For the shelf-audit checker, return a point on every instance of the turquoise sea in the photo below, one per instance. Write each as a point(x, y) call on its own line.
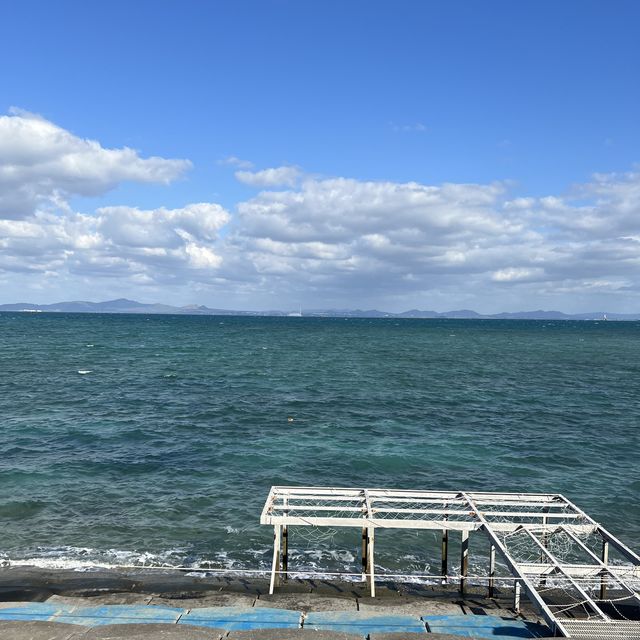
point(128, 439)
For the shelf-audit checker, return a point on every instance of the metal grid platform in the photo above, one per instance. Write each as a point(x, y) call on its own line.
point(618, 630)
point(554, 550)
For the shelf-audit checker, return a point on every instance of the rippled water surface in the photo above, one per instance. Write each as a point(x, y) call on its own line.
point(129, 437)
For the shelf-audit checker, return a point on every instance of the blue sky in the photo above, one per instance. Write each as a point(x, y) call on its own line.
point(516, 105)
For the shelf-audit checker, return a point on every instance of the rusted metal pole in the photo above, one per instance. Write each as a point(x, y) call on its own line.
point(445, 555)
point(285, 551)
point(365, 548)
point(285, 542)
point(464, 559)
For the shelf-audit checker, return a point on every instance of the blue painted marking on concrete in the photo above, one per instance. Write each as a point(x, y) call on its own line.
point(248, 618)
point(119, 614)
point(485, 627)
point(242, 618)
point(362, 622)
point(36, 611)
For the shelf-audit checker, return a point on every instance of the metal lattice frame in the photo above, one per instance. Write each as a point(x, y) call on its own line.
point(544, 539)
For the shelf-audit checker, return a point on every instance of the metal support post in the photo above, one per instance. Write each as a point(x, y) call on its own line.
point(492, 570)
point(365, 546)
point(516, 596)
point(545, 543)
point(285, 551)
point(445, 554)
point(275, 567)
point(603, 579)
point(285, 541)
point(372, 579)
point(464, 559)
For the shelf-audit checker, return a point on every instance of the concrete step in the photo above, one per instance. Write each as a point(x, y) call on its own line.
point(375, 620)
point(58, 631)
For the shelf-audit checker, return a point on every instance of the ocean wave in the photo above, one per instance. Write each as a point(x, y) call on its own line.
point(21, 509)
point(306, 565)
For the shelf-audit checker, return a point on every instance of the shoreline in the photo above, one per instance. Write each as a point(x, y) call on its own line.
point(32, 582)
point(166, 588)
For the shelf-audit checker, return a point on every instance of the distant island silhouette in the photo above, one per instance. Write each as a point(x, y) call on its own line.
point(123, 305)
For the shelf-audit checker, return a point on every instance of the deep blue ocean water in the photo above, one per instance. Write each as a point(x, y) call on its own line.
point(164, 449)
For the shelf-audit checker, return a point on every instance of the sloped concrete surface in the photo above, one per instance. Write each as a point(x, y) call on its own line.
point(142, 595)
point(152, 632)
point(119, 614)
point(217, 599)
point(408, 606)
point(242, 618)
point(101, 600)
point(40, 631)
point(363, 623)
point(403, 636)
point(291, 634)
point(306, 602)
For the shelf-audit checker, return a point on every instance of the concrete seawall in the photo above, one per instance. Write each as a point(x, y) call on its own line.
point(110, 604)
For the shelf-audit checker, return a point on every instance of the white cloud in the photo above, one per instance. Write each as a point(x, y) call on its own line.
point(340, 239)
point(348, 238)
point(160, 245)
point(274, 177)
point(234, 161)
point(202, 257)
point(320, 241)
point(517, 274)
point(416, 127)
point(340, 210)
point(131, 227)
point(385, 237)
point(41, 164)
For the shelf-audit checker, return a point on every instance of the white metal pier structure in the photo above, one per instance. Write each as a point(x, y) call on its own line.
point(583, 580)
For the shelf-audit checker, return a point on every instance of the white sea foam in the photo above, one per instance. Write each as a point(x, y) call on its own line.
point(305, 564)
point(84, 372)
point(86, 558)
point(343, 556)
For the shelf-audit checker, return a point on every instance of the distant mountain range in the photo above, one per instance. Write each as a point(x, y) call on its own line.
point(122, 305)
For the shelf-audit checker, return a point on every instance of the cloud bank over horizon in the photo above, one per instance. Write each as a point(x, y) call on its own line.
point(307, 239)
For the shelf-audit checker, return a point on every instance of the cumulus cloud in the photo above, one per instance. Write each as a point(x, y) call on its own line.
point(354, 238)
point(384, 234)
point(274, 177)
point(512, 274)
point(42, 163)
point(320, 241)
point(154, 246)
point(234, 161)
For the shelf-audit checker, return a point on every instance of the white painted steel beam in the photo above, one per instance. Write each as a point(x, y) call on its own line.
point(275, 566)
point(605, 570)
point(495, 514)
point(529, 587)
point(609, 537)
point(379, 523)
point(588, 599)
